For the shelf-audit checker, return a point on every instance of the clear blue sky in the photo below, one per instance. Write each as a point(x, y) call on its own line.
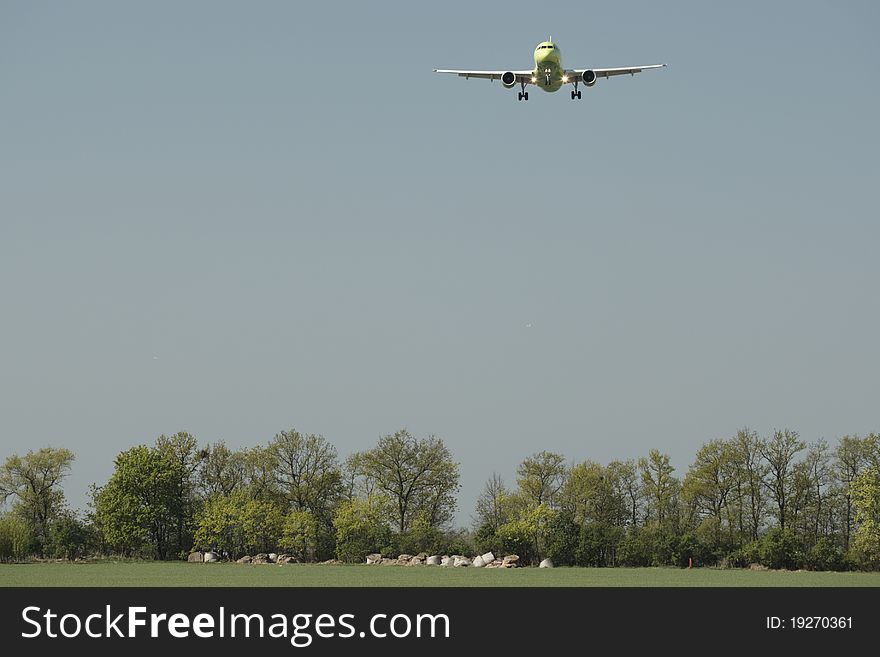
point(236, 218)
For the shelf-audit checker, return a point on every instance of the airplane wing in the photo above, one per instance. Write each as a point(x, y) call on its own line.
point(608, 72)
point(521, 76)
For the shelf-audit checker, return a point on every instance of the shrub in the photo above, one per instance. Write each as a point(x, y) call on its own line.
point(744, 556)
point(16, 539)
point(824, 555)
point(70, 537)
point(780, 549)
point(562, 539)
point(362, 528)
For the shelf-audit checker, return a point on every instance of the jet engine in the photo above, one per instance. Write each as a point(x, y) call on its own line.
point(589, 78)
point(508, 79)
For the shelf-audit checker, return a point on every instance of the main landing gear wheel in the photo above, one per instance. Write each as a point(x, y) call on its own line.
point(523, 95)
point(575, 94)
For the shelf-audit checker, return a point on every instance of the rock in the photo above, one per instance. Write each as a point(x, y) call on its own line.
point(272, 557)
point(478, 562)
point(415, 561)
point(388, 562)
point(404, 558)
point(511, 558)
point(374, 558)
point(546, 563)
point(244, 559)
point(196, 557)
point(286, 559)
point(461, 562)
point(211, 557)
point(432, 561)
point(446, 561)
point(488, 557)
point(422, 555)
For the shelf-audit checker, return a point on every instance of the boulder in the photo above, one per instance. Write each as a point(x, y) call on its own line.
point(196, 557)
point(211, 557)
point(404, 558)
point(446, 561)
point(546, 563)
point(272, 557)
point(260, 558)
point(374, 558)
point(478, 562)
point(388, 562)
point(488, 557)
point(244, 559)
point(415, 561)
point(433, 560)
point(461, 562)
point(422, 555)
point(511, 558)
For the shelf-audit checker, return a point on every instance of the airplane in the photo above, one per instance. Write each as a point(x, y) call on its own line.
point(549, 74)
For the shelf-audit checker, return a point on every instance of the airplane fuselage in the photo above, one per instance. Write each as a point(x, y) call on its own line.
point(548, 74)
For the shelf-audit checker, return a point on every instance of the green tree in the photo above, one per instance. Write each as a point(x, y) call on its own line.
point(526, 535)
point(865, 491)
point(598, 544)
point(260, 483)
point(138, 508)
point(824, 555)
point(307, 473)
point(491, 509)
point(237, 524)
point(220, 525)
point(562, 539)
point(780, 549)
point(263, 524)
point(362, 527)
point(852, 455)
point(710, 482)
point(750, 476)
point(71, 537)
point(221, 471)
point(780, 453)
point(298, 537)
point(540, 477)
point(659, 485)
point(593, 494)
point(181, 450)
point(16, 539)
point(418, 476)
point(34, 482)
point(625, 479)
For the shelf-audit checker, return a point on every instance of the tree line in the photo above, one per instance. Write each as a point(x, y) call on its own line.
point(773, 500)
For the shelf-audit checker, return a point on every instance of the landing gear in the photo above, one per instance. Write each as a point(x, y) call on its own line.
point(523, 95)
point(575, 93)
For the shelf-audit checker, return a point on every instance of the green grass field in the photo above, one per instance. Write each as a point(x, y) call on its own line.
point(194, 574)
